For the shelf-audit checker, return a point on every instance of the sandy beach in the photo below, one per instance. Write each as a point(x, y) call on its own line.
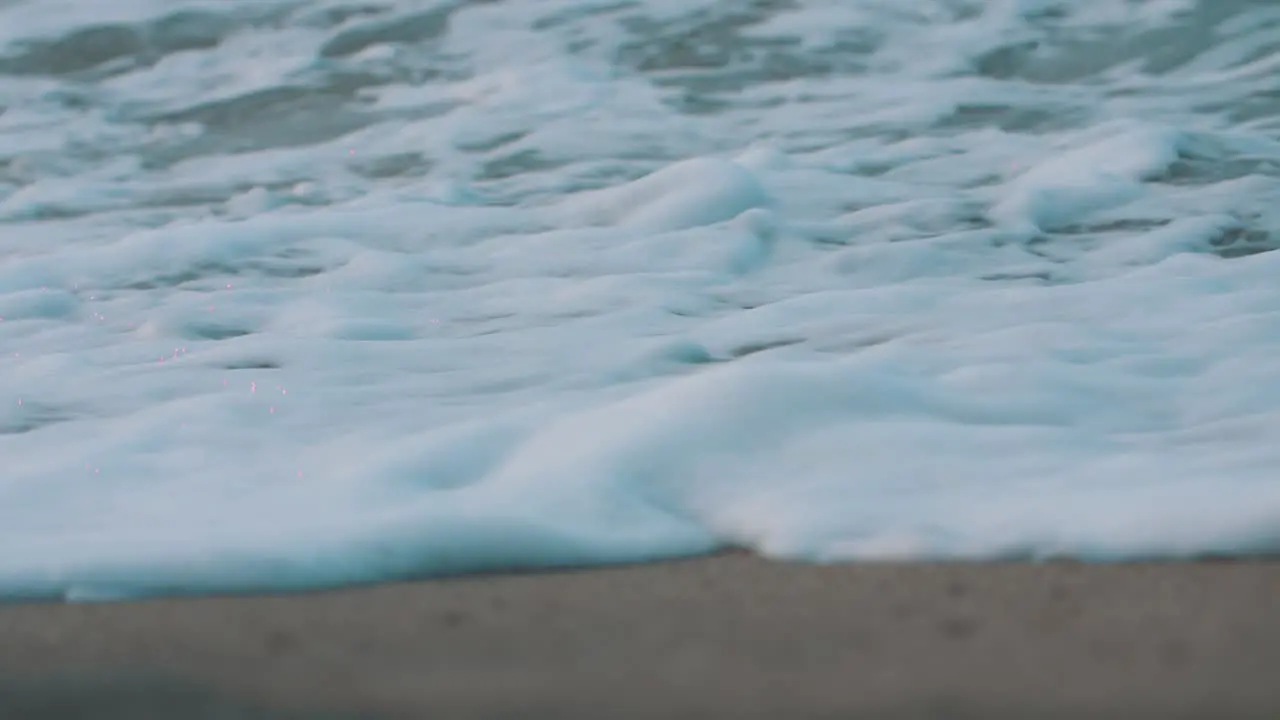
point(312, 293)
point(729, 636)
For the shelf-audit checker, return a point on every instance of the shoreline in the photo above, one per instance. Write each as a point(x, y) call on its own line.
point(729, 635)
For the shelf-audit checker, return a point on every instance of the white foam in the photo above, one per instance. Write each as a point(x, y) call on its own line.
point(688, 194)
point(1071, 185)
point(552, 286)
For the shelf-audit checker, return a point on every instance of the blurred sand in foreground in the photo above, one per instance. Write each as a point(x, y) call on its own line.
point(730, 636)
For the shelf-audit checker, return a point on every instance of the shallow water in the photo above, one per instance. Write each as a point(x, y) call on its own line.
point(296, 293)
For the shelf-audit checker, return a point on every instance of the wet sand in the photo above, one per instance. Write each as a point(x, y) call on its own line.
point(731, 636)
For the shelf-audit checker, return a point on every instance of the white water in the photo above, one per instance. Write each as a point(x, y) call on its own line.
point(308, 292)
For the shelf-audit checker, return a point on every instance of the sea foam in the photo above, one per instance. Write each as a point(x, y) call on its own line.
point(303, 296)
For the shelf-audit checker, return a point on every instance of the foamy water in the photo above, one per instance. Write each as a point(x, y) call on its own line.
point(308, 292)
